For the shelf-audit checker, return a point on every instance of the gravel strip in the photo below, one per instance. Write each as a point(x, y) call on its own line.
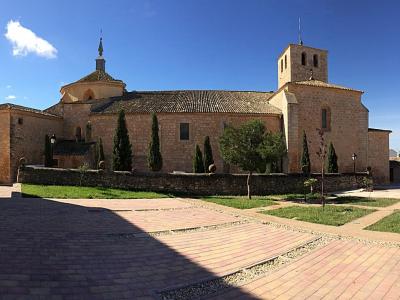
point(176, 231)
point(206, 288)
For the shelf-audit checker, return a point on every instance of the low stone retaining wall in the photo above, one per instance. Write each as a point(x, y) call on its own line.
point(193, 184)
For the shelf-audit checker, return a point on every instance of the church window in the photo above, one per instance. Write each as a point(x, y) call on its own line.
point(325, 119)
point(285, 62)
point(303, 58)
point(184, 131)
point(20, 121)
point(78, 134)
point(315, 60)
point(281, 65)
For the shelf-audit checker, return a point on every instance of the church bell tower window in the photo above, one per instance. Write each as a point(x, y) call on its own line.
point(315, 60)
point(303, 58)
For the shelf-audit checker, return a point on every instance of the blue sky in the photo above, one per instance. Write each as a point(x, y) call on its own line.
point(202, 44)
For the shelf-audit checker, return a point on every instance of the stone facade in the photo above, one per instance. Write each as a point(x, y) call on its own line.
point(378, 152)
point(192, 184)
point(304, 101)
point(23, 135)
point(177, 154)
point(5, 146)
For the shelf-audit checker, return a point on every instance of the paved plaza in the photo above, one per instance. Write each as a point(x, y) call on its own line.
point(147, 249)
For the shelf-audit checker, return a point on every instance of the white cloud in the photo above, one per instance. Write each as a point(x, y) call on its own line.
point(25, 41)
point(11, 97)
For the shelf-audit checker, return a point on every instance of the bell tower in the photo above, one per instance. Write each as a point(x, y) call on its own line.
point(299, 63)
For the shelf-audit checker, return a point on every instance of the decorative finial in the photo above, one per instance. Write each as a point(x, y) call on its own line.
point(300, 39)
point(311, 74)
point(101, 47)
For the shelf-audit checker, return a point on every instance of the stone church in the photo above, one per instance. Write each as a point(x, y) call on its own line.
point(304, 101)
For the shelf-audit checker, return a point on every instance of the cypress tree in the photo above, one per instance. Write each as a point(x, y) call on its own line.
point(154, 158)
point(99, 152)
point(305, 157)
point(198, 165)
point(208, 155)
point(332, 160)
point(122, 151)
point(48, 157)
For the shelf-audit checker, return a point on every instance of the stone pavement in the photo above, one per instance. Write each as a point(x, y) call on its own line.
point(134, 249)
point(339, 270)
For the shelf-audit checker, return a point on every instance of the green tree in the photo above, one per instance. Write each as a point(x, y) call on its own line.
point(208, 155)
point(332, 160)
point(48, 155)
point(305, 157)
point(250, 148)
point(122, 151)
point(99, 152)
point(154, 158)
point(198, 165)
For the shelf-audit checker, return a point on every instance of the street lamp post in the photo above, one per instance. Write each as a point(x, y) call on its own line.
point(354, 158)
point(53, 141)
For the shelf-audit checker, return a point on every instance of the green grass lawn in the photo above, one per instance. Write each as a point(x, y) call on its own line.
point(332, 215)
point(294, 197)
point(377, 202)
point(240, 202)
point(390, 223)
point(78, 192)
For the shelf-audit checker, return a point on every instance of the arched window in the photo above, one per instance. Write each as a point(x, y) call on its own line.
point(326, 118)
point(281, 65)
point(285, 62)
point(88, 95)
point(78, 134)
point(315, 60)
point(303, 58)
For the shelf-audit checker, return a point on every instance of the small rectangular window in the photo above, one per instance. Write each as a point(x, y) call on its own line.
point(324, 119)
point(285, 62)
point(184, 131)
point(281, 65)
point(20, 121)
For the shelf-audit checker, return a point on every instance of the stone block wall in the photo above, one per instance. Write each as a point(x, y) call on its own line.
point(348, 129)
point(177, 154)
point(192, 184)
point(27, 134)
point(5, 146)
point(378, 155)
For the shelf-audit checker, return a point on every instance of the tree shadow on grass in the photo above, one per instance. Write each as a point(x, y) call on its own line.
point(53, 249)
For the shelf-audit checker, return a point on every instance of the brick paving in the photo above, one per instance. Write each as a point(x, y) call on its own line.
point(339, 270)
point(67, 251)
point(96, 249)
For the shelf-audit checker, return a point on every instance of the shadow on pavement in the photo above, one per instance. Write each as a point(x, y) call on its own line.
point(52, 249)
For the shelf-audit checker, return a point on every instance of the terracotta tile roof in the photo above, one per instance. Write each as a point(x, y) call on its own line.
point(98, 75)
point(324, 84)
point(26, 109)
point(187, 101)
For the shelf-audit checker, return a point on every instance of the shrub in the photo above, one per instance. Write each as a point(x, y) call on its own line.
point(198, 165)
point(305, 157)
point(122, 151)
point(208, 155)
point(332, 160)
point(154, 158)
point(48, 157)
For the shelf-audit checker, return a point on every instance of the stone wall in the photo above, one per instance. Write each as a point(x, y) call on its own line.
point(348, 129)
point(177, 154)
point(378, 154)
point(193, 184)
point(27, 134)
point(4, 146)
